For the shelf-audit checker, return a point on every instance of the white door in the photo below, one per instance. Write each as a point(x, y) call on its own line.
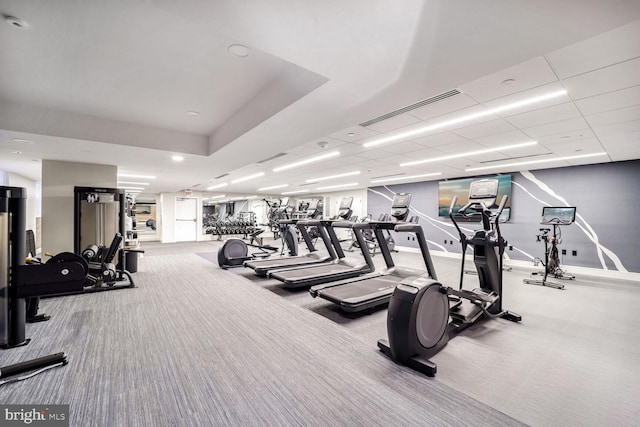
point(186, 224)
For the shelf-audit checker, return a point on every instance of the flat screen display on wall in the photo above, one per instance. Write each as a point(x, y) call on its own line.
point(460, 188)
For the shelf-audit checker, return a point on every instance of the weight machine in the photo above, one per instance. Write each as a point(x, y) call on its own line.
point(19, 282)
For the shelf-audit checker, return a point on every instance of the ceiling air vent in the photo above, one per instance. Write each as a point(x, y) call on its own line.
point(427, 101)
point(515, 158)
point(221, 176)
point(272, 157)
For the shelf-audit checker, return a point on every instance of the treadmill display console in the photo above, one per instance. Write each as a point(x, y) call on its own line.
point(400, 206)
point(346, 203)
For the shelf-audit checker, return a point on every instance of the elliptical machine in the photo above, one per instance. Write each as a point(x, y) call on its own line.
point(424, 314)
point(555, 216)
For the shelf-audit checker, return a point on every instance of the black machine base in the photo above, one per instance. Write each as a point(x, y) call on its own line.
point(20, 344)
point(542, 282)
point(417, 363)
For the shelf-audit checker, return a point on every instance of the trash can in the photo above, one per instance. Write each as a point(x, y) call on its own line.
point(131, 260)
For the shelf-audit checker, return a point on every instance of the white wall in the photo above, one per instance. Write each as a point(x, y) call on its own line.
point(58, 180)
point(166, 216)
point(14, 180)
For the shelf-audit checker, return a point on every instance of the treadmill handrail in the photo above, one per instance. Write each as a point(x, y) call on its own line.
point(343, 224)
point(422, 242)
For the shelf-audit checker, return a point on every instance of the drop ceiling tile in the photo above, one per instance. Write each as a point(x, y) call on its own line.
point(514, 100)
point(543, 116)
point(527, 75)
point(621, 142)
point(402, 147)
point(395, 122)
point(486, 158)
point(485, 129)
point(304, 150)
point(428, 153)
point(617, 128)
point(439, 108)
point(373, 153)
point(507, 138)
point(596, 52)
point(609, 101)
point(620, 157)
point(439, 139)
point(577, 147)
point(359, 133)
point(561, 138)
point(460, 147)
point(603, 80)
point(557, 127)
point(614, 116)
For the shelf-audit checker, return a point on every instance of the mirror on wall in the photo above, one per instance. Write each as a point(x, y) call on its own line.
point(144, 216)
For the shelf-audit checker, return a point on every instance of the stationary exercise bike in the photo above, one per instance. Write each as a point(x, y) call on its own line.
point(424, 314)
point(555, 216)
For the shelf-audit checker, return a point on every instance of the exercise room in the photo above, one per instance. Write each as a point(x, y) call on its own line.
point(372, 213)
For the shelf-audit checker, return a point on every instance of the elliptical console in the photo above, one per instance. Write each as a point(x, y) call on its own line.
point(424, 314)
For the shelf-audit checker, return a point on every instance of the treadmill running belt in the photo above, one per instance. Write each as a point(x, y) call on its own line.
point(359, 292)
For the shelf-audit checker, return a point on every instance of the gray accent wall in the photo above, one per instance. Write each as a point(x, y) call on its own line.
point(604, 236)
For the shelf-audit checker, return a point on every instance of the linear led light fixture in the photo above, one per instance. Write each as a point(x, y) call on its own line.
point(531, 162)
point(128, 175)
point(133, 188)
point(351, 184)
point(468, 117)
point(307, 161)
point(294, 192)
point(213, 187)
point(471, 153)
point(273, 187)
point(324, 178)
point(132, 183)
point(218, 197)
point(247, 178)
point(398, 178)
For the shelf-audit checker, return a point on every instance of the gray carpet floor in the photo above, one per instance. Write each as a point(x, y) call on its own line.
point(197, 345)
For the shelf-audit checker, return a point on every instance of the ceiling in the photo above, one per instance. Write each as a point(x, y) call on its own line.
point(115, 82)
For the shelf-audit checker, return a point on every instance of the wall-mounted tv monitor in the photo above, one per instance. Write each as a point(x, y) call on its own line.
point(346, 203)
point(558, 215)
point(460, 188)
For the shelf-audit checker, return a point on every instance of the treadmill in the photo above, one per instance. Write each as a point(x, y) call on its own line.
point(371, 290)
point(339, 269)
point(262, 266)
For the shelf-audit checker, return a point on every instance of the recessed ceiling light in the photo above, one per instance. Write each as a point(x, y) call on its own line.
point(398, 178)
point(294, 192)
point(177, 158)
point(128, 175)
point(16, 152)
point(193, 113)
point(351, 184)
point(351, 134)
point(239, 50)
point(218, 197)
point(247, 178)
point(16, 22)
point(324, 178)
point(133, 188)
point(508, 82)
point(213, 187)
point(273, 187)
point(468, 117)
point(531, 162)
point(565, 137)
point(470, 153)
point(23, 141)
point(307, 161)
